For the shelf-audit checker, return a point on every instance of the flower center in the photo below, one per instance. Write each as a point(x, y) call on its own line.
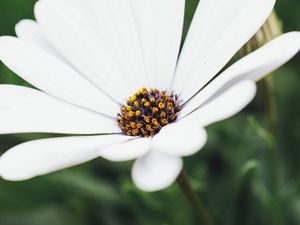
point(147, 111)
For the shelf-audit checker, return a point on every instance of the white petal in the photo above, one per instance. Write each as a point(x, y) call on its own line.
point(160, 24)
point(156, 171)
point(119, 30)
point(71, 33)
point(128, 150)
point(115, 24)
point(29, 30)
point(53, 76)
point(265, 59)
point(219, 29)
point(253, 67)
point(180, 138)
point(43, 156)
point(225, 105)
point(28, 110)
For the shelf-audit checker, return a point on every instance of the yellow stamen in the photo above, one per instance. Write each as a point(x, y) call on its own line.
point(131, 113)
point(161, 105)
point(132, 98)
point(147, 111)
point(138, 113)
point(154, 121)
point(154, 110)
point(164, 121)
point(146, 119)
point(163, 114)
point(136, 131)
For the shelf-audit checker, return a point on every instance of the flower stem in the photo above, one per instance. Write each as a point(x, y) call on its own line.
point(194, 199)
point(271, 29)
point(268, 31)
point(270, 112)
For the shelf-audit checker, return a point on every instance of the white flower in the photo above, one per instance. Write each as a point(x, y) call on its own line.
point(87, 57)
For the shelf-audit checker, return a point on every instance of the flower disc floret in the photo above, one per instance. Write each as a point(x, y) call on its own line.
point(147, 111)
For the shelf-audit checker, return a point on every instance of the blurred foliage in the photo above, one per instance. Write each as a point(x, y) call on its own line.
point(231, 173)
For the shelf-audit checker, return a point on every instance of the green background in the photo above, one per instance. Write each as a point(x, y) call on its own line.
point(231, 173)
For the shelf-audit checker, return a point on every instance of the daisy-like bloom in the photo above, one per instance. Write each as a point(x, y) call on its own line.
point(111, 72)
